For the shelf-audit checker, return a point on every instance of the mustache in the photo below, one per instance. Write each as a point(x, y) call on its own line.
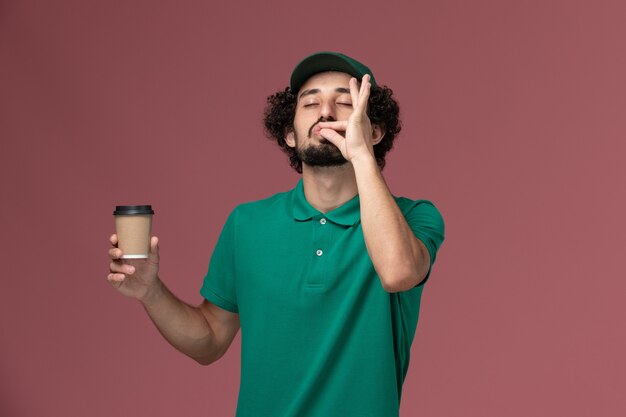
point(321, 119)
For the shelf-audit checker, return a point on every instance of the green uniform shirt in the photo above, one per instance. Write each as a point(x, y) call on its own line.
point(320, 337)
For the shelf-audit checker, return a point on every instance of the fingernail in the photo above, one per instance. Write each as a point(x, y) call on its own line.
point(131, 270)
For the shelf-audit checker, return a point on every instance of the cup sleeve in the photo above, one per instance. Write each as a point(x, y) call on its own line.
point(219, 286)
point(428, 226)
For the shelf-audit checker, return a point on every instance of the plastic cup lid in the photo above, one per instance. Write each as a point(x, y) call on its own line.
point(130, 210)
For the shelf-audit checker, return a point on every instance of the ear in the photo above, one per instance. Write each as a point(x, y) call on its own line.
point(290, 139)
point(378, 134)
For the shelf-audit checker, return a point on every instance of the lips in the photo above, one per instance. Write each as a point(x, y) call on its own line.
point(314, 130)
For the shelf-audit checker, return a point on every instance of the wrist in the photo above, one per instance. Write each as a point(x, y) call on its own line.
point(364, 161)
point(152, 293)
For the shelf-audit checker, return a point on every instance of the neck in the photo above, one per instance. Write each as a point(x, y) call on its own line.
point(327, 188)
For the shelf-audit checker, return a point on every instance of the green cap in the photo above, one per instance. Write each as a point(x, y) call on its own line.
point(327, 61)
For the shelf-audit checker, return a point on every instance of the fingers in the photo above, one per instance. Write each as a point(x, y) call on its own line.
point(154, 245)
point(364, 94)
point(332, 136)
point(154, 250)
point(119, 270)
point(115, 253)
point(341, 125)
point(354, 92)
point(118, 267)
point(116, 279)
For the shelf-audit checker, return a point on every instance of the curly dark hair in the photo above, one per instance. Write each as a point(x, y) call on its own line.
point(382, 110)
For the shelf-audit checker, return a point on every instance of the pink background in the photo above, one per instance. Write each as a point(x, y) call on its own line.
point(514, 125)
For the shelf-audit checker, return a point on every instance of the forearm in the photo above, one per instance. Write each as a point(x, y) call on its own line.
point(182, 325)
point(390, 241)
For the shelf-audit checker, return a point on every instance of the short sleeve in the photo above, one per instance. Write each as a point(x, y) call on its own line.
point(219, 283)
point(428, 226)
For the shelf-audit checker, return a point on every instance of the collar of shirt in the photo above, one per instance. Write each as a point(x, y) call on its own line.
point(348, 214)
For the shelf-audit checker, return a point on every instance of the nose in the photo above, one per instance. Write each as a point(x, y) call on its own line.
point(328, 111)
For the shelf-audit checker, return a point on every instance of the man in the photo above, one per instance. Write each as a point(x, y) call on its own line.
point(325, 280)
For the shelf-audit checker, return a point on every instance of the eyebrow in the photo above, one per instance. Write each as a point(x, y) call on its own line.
point(342, 90)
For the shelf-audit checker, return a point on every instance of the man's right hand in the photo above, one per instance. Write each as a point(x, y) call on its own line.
point(136, 278)
point(203, 333)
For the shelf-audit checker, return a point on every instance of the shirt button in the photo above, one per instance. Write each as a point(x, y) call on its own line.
point(319, 252)
point(323, 221)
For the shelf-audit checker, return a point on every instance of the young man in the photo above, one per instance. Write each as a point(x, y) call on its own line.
point(325, 280)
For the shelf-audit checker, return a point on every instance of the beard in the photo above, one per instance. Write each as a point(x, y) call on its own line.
point(323, 155)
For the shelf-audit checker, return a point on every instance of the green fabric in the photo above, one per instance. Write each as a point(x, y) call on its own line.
point(319, 335)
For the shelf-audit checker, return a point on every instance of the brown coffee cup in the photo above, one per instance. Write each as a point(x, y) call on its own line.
point(133, 225)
